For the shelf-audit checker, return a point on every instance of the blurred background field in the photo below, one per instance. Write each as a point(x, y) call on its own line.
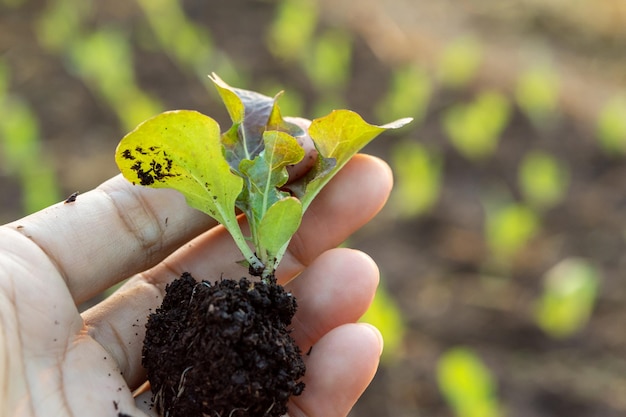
point(502, 248)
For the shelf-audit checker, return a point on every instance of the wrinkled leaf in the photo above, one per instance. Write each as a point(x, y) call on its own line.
point(337, 137)
point(249, 112)
point(280, 222)
point(182, 150)
point(252, 114)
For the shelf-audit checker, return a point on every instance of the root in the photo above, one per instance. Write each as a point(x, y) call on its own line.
point(181, 384)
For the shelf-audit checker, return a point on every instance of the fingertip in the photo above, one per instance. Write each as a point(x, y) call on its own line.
point(377, 172)
point(383, 166)
point(377, 335)
point(369, 265)
point(365, 275)
point(340, 367)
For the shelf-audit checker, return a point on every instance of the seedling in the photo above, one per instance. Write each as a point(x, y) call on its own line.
point(270, 168)
point(246, 166)
point(467, 384)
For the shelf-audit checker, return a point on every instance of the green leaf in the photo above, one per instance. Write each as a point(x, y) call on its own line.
point(277, 122)
point(232, 101)
point(250, 112)
point(337, 137)
point(182, 150)
point(267, 173)
point(279, 224)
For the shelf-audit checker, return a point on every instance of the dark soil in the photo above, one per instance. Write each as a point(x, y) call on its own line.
point(223, 349)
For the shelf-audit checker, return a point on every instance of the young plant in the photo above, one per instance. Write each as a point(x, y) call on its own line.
point(246, 166)
point(224, 348)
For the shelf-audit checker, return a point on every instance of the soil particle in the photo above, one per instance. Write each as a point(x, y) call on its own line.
point(223, 348)
point(71, 198)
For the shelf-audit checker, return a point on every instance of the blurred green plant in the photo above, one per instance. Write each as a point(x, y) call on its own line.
point(409, 93)
point(509, 229)
point(459, 62)
point(22, 155)
point(386, 316)
point(102, 58)
point(543, 179)
point(475, 128)
point(325, 103)
point(467, 384)
point(187, 44)
point(104, 61)
point(537, 94)
point(611, 126)
point(417, 179)
point(325, 57)
point(290, 34)
point(61, 23)
point(4, 79)
point(569, 294)
point(14, 4)
point(291, 102)
point(328, 63)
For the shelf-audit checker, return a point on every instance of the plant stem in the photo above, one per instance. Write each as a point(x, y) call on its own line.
point(241, 243)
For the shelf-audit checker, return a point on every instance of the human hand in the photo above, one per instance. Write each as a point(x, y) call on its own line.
point(55, 361)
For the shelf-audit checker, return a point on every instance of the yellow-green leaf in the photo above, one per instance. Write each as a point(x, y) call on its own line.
point(280, 223)
point(337, 137)
point(234, 105)
point(267, 173)
point(182, 150)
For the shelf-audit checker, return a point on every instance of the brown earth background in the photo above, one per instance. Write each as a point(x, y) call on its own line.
point(515, 164)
